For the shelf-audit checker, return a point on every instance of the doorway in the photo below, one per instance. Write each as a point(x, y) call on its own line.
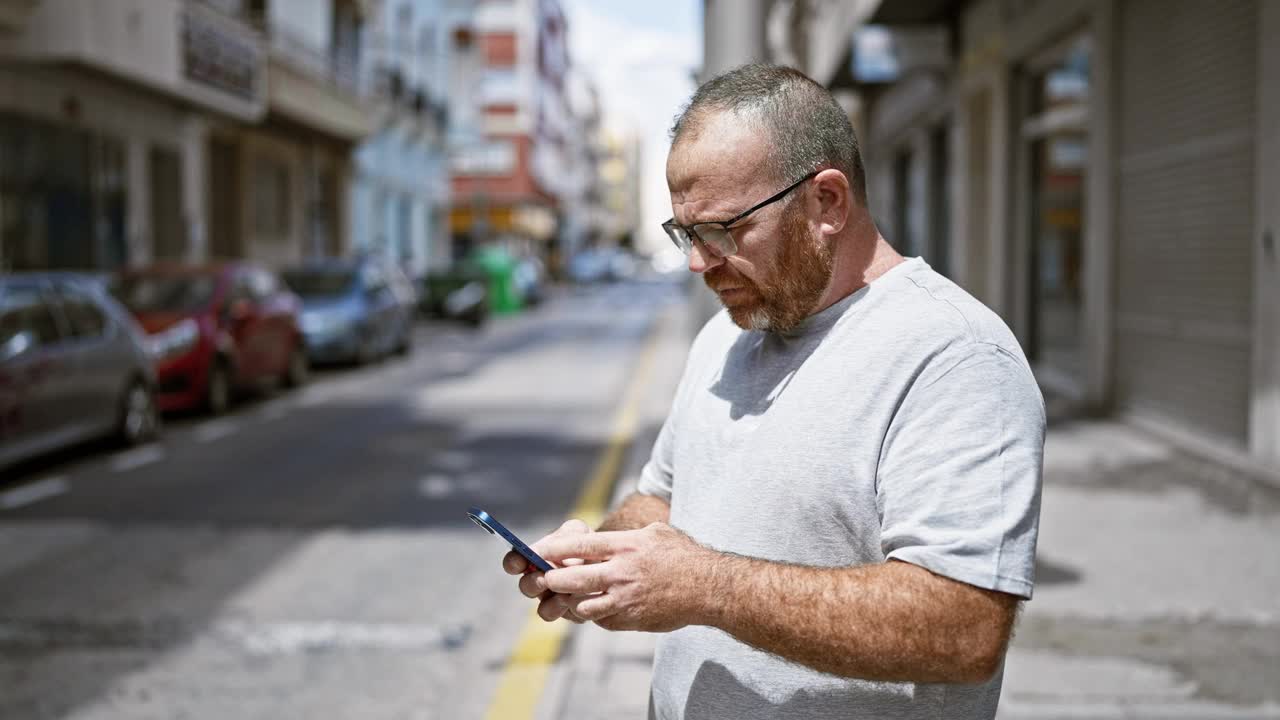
point(1054, 144)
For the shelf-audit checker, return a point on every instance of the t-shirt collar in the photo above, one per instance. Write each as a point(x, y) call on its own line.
point(821, 321)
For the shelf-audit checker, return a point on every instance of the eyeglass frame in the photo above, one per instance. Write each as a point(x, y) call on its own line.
point(725, 224)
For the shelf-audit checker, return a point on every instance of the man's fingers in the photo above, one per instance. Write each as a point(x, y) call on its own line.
point(514, 563)
point(592, 607)
point(553, 607)
point(578, 580)
point(532, 584)
point(588, 546)
point(574, 526)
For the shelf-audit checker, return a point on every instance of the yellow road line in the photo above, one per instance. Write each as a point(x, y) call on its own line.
point(525, 675)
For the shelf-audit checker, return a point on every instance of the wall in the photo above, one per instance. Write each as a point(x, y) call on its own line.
point(309, 21)
point(1264, 439)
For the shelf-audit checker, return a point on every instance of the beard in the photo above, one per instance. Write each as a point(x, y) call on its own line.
point(793, 281)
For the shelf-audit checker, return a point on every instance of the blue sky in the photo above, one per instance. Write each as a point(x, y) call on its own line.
point(641, 54)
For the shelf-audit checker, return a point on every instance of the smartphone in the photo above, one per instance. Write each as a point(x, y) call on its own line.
point(490, 523)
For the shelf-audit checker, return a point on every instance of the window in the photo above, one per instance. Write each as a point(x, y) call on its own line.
point(262, 284)
point(498, 86)
point(1055, 150)
point(241, 288)
point(496, 157)
point(82, 313)
point(25, 313)
point(271, 198)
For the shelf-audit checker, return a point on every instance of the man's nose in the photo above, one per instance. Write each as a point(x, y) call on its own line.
point(701, 259)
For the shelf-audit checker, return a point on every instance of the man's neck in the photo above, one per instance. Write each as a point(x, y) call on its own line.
point(858, 263)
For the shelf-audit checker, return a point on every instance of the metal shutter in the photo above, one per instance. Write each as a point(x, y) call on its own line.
point(1187, 75)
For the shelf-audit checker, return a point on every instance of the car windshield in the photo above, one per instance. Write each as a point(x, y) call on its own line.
point(319, 283)
point(164, 293)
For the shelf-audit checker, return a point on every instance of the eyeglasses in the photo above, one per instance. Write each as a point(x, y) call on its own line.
point(715, 234)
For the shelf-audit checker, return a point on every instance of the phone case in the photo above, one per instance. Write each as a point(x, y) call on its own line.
point(491, 524)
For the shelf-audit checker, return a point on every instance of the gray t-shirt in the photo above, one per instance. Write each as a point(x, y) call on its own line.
point(902, 422)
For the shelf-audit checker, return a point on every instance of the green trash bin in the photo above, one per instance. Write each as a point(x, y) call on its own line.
point(499, 267)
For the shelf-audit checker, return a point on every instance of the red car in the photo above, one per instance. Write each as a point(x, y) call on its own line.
point(215, 329)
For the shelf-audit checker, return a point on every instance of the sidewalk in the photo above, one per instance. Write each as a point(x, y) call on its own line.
point(1157, 596)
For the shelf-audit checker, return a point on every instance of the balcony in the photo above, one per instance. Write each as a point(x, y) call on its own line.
point(185, 49)
point(313, 85)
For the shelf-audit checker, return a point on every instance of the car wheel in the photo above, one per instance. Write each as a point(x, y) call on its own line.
point(406, 340)
point(139, 416)
point(295, 375)
point(218, 393)
point(364, 351)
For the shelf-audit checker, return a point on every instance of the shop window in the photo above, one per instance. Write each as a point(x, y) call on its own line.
point(271, 198)
point(1056, 142)
point(168, 231)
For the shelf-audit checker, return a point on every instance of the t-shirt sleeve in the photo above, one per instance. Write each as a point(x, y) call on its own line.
point(958, 485)
point(657, 476)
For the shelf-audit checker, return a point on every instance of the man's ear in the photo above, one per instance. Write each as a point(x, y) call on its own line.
point(834, 197)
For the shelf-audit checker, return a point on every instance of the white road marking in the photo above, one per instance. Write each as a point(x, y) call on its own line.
point(310, 398)
point(274, 410)
point(33, 492)
point(435, 486)
point(453, 460)
point(288, 638)
point(254, 637)
point(215, 430)
point(136, 458)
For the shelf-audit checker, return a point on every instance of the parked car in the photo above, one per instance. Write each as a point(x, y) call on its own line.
point(588, 266)
point(74, 366)
point(354, 310)
point(459, 293)
point(216, 329)
point(530, 278)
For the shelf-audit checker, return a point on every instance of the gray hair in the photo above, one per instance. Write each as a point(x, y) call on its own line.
point(806, 125)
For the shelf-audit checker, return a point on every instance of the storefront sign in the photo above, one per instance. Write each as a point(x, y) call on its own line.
point(220, 58)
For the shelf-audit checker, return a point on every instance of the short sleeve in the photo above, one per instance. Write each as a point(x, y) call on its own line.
point(958, 485)
point(657, 476)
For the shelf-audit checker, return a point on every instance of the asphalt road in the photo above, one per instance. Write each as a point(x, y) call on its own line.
point(308, 555)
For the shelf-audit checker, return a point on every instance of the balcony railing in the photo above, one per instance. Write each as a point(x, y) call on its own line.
point(339, 67)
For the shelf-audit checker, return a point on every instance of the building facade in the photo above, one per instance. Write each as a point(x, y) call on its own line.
point(134, 131)
point(1105, 175)
point(282, 185)
point(510, 167)
point(400, 193)
point(105, 116)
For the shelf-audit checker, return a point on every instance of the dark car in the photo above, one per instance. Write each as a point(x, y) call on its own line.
point(216, 329)
point(354, 310)
point(459, 292)
point(74, 366)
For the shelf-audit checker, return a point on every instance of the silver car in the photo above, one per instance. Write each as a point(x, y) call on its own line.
point(74, 366)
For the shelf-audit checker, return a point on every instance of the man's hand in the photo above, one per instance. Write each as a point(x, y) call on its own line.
point(650, 579)
point(552, 606)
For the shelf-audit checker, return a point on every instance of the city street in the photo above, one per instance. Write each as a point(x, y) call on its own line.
point(308, 555)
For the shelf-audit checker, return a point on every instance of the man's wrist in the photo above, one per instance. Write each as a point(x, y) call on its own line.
point(713, 581)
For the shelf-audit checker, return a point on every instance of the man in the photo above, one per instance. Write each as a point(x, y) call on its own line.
point(839, 516)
